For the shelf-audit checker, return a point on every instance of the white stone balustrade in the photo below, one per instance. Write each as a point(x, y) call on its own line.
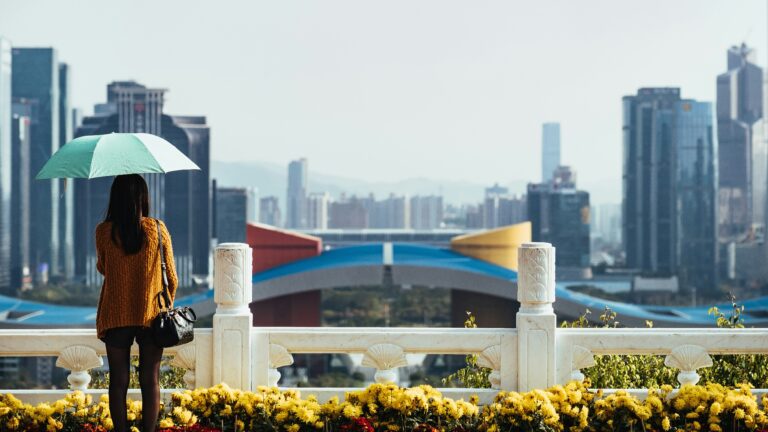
point(386, 358)
point(79, 359)
point(688, 359)
point(536, 354)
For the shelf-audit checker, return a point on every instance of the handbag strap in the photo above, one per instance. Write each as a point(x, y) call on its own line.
point(164, 294)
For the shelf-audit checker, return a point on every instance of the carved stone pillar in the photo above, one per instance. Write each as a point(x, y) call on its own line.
point(536, 320)
point(232, 274)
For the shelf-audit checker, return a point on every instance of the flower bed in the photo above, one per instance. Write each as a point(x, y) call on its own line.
point(572, 407)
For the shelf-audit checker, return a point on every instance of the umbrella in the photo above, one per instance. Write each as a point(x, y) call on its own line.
point(115, 154)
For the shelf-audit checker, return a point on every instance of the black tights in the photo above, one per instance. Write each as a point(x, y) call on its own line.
point(149, 380)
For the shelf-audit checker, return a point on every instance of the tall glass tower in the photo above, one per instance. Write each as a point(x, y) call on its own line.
point(35, 81)
point(550, 150)
point(669, 187)
point(741, 157)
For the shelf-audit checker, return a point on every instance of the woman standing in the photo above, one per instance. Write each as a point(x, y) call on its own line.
point(129, 258)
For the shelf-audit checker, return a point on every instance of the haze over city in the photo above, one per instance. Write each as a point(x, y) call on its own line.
point(396, 90)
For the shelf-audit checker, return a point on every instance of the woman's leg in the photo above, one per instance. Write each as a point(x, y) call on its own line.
point(150, 356)
point(119, 376)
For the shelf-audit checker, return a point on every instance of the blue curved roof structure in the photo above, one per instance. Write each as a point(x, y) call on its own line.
point(405, 263)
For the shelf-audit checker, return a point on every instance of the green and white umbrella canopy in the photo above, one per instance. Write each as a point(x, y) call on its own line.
point(115, 154)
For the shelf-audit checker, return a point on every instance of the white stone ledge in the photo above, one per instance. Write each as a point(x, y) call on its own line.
point(663, 341)
point(50, 342)
point(359, 339)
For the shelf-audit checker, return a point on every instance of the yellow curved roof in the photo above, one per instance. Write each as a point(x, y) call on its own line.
point(498, 246)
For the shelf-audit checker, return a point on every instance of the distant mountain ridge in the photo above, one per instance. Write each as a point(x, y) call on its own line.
point(271, 179)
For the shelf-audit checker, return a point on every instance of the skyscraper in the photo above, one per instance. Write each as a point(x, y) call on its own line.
point(182, 199)
point(550, 150)
point(5, 166)
point(35, 81)
point(670, 187)
point(741, 157)
point(296, 216)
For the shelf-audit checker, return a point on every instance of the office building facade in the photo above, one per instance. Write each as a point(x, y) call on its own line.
point(670, 185)
point(560, 215)
point(231, 212)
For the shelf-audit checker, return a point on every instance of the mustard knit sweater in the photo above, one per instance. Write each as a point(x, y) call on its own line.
point(131, 282)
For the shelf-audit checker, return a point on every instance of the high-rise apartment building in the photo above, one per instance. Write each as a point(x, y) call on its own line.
point(392, 212)
point(182, 199)
point(349, 213)
point(5, 166)
point(669, 201)
point(550, 150)
point(269, 211)
point(35, 81)
point(317, 210)
point(231, 212)
point(252, 215)
point(426, 212)
point(742, 154)
point(296, 216)
point(500, 208)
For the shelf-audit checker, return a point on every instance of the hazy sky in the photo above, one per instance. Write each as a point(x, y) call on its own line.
point(394, 89)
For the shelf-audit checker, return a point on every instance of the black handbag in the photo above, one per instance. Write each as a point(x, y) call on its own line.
point(172, 326)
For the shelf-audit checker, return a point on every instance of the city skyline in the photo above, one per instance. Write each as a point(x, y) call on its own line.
point(412, 93)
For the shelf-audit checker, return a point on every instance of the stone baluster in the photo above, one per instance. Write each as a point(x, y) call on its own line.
point(536, 321)
point(185, 359)
point(581, 358)
point(278, 357)
point(232, 348)
point(491, 358)
point(386, 358)
point(79, 359)
point(688, 358)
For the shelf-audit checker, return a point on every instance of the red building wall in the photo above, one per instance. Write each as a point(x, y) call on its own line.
point(273, 247)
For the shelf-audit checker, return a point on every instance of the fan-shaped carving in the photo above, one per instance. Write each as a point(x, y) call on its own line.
point(185, 358)
point(490, 358)
point(688, 358)
point(384, 356)
point(582, 358)
point(79, 358)
point(279, 356)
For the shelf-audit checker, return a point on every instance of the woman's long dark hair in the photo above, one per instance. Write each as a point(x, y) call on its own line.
point(128, 202)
